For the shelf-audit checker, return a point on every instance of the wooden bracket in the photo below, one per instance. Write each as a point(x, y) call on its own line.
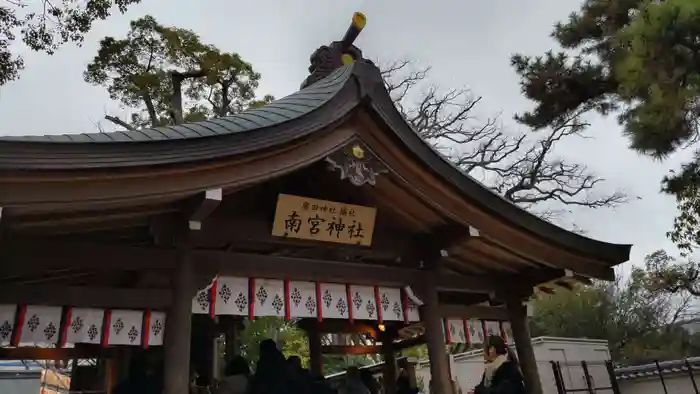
point(204, 206)
point(561, 281)
point(428, 248)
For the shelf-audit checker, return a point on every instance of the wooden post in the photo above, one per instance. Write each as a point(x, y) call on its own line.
point(230, 326)
point(390, 368)
point(108, 370)
point(216, 358)
point(439, 367)
point(523, 343)
point(178, 329)
point(315, 355)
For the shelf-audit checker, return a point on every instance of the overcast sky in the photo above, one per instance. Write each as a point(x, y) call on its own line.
point(468, 44)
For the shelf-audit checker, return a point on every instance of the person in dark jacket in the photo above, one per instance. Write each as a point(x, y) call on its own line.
point(502, 373)
point(321, 386)
point(271, 371)
point(141, 379)
point(237, 376)
point(299, 379)
point(369, 381)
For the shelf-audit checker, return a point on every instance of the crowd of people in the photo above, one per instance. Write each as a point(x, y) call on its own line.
point(275, 374)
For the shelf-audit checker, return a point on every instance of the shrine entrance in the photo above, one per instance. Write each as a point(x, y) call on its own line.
point(323, 206)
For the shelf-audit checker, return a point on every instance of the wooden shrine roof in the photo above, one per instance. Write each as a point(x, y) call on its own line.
point(235, 152)
point(277, 123)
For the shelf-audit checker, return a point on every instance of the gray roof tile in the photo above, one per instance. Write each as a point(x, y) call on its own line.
point(285, 109)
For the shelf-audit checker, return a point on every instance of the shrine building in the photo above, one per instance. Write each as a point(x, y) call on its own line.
point(324, 207)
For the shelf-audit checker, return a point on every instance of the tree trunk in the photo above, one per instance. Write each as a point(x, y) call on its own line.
point(150, 108)
point(176, 99)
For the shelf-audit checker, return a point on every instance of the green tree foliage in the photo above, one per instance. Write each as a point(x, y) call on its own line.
point(633, 55)
point(171, 76)
point(292, 342)
point(638, 322)
point(671, 275)
point(45, 25)
point(639, 58)
point(660, 68)
point(686, 225)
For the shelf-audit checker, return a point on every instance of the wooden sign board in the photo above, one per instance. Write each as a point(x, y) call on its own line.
point(320, 220)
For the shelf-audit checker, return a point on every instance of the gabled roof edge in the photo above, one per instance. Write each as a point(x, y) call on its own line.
point(382, 104)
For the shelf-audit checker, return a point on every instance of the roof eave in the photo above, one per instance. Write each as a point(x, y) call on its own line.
point(381, 105)
point(61, 153)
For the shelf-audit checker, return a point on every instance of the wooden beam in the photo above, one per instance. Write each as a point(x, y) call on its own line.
point(203, 207)
point(370, 349)
point(337, 326)
point(44, 353)
point(246, 229)
point(280, 267)
point(28, 256)
point(473, 312)
point(351, 349)
point(428, 246)
point(86, 297)
point(468, 284)
point(261, 266)
point(407, 343)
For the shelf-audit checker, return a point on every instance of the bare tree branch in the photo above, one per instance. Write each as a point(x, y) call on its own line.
point(524, 170)
point(119, 122)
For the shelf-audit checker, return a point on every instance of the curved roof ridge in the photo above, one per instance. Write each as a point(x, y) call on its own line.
point(383, 106)
point(277, 112)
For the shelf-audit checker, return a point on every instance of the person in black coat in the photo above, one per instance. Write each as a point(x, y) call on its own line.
point(271, 375)
point(502, 373)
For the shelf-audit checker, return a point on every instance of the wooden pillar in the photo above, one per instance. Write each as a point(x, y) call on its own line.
point(517, 313)
point(439, 367)
point(315, 354)
point(178, 329)
point(107, 370)
point(230, 327)
point(216, 358)
point(203, 347)
point(390, 368)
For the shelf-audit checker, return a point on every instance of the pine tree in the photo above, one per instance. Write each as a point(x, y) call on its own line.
point(640, 59)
